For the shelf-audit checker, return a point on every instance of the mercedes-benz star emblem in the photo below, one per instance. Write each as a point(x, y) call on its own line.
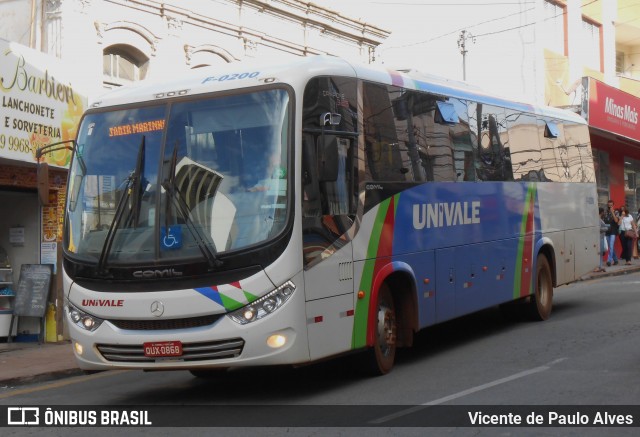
point(157, 308)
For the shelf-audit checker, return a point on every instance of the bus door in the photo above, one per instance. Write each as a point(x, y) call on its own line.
point(327, 219)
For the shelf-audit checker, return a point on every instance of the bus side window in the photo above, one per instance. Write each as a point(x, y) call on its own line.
point(493, 162)
point(460, 137)
point(526, 157)
point(567, 157)
point(386, 149)
point(548, 143)
point(580, 160)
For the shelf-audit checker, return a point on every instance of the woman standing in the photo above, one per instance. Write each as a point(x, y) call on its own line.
point(628, 229)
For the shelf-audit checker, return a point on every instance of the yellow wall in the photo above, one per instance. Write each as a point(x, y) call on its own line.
point(556, 69)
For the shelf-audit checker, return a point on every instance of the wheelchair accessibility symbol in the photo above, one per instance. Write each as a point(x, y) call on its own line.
point(171, 239)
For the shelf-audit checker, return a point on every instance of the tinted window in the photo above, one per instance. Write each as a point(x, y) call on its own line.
point(524, 146)
point(388, 146)
point(573, 153)
point(329, 169)
point(579, 151)
point(489, 129)
point(548, 144)
point(414, 136)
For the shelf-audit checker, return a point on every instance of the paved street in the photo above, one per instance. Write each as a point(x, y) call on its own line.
point(585, 354)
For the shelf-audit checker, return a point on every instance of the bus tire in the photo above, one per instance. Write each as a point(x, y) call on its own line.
point(541, 300)
point(381, 356)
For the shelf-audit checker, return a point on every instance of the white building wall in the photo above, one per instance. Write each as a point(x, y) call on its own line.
point(15, 21)
point(179, 35)
point(609, 17)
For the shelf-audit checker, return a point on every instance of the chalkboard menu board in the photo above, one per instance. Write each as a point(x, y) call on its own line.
point(33, 290)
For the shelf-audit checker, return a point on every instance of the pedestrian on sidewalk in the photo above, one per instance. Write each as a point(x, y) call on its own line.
point(628, 232)
point(611, 218)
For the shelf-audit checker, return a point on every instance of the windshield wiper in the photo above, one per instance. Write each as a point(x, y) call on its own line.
point(136, 185)
point(169, 184)
point(131, 190)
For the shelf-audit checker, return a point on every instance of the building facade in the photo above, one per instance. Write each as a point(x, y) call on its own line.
point(111, 43)
point(592, 66)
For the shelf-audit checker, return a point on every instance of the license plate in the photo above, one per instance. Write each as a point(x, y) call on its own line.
point(163, 349)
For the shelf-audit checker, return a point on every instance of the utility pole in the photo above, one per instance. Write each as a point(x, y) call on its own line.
point(462, 45)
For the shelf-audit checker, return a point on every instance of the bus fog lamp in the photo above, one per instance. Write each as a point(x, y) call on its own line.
point(78, 348)
point(277, 340)
point(264, 306)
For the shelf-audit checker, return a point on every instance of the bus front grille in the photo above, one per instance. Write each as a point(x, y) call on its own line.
point(161, 324)
point(203, 351)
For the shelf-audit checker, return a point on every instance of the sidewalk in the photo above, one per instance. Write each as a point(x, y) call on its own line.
point(25, 363)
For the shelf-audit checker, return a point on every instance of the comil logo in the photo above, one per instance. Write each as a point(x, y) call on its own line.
point(23, 416)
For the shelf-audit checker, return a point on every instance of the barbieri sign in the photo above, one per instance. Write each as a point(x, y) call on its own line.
point(613, 110)
point(39, 104)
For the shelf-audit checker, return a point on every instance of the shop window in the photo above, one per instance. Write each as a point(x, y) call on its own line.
point(620, 58)
point(591, 42)
point(122, 65)
point(601, 167)
point(553, 25)
point(632, 184)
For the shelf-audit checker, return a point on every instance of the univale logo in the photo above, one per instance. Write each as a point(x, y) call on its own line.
point(102, 302)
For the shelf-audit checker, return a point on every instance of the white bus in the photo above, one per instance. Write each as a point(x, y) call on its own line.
point(283, 214)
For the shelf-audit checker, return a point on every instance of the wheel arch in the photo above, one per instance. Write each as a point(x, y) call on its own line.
point(545, 247)
point(400, 279)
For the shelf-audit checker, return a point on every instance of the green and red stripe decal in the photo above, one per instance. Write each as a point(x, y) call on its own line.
point(378, 256)
point(523, 279)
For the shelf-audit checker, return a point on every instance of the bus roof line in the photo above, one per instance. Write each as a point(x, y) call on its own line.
point(302, 69)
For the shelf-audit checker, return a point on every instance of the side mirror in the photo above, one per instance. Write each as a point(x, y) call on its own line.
point(327, 158)
point(43, 182)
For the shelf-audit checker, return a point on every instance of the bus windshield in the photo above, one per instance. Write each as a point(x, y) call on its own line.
point(189, 179)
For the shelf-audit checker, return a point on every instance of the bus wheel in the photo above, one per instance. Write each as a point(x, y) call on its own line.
point(542, 298)
point(382, 355)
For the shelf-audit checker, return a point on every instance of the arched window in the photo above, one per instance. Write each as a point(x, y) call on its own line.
point(123, 64)
point(207, 55)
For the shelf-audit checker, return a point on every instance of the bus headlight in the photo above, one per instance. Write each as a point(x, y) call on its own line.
point(83, 320)
point(264, 306)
